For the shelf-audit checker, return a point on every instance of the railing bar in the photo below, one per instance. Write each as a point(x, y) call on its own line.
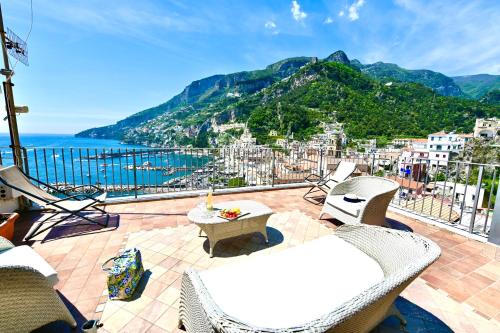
point(462, 205)
point(477, 194)
point(46, 166)
point(457, 171)
point(64, 167)
point(143, 181)
point(36, 163)
point(112, 170)
point(88, 167)
point(444, 187)
point(81, 166)
point(492, 190)
point(105, 167)
point(120, 172)
point(55, 167)
point(72, 166)
point(127, 169)
point(97, 168)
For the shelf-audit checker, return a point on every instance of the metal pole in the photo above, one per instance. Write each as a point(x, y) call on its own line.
point(9, 100)
point(494, 235)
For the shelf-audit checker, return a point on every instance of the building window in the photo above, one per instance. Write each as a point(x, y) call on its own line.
point(439, 147)
point(432, 139)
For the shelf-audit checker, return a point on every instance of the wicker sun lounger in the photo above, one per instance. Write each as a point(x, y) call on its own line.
point(288, 291)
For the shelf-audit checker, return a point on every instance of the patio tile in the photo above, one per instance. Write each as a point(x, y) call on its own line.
point(168, 320)
point(461, 288)
point(153, 311)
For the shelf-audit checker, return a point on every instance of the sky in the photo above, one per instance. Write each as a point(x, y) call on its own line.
point(94, 62)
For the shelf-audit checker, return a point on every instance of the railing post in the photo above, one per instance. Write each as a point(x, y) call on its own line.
point(135, 173)
point(494, 235)
point(25, 160)
point(373, 164)
point(273, 164)
point(476, 198)
point(320, 164)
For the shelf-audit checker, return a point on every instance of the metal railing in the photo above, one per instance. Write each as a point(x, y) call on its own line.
point(457, 193)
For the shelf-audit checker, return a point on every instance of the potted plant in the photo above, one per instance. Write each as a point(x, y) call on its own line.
point(7, 225)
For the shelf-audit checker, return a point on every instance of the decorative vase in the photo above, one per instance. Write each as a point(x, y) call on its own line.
point(7, 225)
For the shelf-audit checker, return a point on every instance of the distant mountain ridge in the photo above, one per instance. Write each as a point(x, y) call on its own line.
point(202, 92)
point(225, 98)
point(438, 82)
point(477, 86)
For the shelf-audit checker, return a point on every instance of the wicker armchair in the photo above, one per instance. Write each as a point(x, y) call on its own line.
point(28, 297)
point(401, 256)
point(376, 194)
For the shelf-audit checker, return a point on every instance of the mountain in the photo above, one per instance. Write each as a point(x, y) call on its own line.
point(297, 95)
point(491, 97)
point(201, 93)
point(440, 83)
point(478, 85)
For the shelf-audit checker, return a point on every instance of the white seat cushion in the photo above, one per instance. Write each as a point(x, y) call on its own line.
point(351, 208)
point(26, 256)
point(294, 286)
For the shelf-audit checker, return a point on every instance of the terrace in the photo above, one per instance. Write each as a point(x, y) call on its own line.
point(459, 292)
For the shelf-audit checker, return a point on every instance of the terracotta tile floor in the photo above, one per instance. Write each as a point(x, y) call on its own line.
point(462, 289)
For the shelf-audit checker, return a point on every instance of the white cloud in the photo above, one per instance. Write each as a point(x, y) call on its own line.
point(271, 26)
point(353, 9)
point(298, 15)
point(341, 13)
point(328, 20)
point(448, 36)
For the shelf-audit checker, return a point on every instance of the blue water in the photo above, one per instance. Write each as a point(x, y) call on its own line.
point(62, 140)
point(64, 159)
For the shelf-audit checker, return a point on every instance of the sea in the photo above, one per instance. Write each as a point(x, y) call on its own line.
point(65, 160)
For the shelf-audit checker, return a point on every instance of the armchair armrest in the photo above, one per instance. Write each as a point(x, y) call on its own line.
point(5, 244)
point(28, 300)
point(344, 187)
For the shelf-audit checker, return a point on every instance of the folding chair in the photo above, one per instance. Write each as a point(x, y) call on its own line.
point(72, 205)
point(324, 184)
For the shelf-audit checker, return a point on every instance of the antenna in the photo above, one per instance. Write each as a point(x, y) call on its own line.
point(16, 47)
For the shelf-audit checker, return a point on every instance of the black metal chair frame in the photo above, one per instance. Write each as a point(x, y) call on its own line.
point(77, 213)
point(320, 184)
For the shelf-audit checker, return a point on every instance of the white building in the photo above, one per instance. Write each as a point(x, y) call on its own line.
point(461, 195)
point(443, 146)
point(487, 128)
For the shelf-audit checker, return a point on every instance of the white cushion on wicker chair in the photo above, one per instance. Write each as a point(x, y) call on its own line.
point(351, 208)
point(26, 256)
point(294, 286)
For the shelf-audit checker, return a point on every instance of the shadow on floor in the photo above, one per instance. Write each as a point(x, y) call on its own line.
point(419, 320)
point(396, 225)
point(78, 227)
point(72, 227)
point(244, 244)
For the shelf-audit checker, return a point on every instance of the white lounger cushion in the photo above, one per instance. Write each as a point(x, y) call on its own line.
point(295, 286)
point(25, 256)
point(351, 208)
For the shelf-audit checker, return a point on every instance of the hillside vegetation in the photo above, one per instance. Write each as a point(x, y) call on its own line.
point(295, 95)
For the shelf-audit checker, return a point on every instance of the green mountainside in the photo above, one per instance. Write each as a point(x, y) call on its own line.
point(199, 94)
point(478, 85)
point(295, 95)
point(441, 83)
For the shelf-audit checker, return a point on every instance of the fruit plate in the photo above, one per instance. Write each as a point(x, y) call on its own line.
point(232, 218)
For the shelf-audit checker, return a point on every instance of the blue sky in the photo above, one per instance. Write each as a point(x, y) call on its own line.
point(93, 62)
